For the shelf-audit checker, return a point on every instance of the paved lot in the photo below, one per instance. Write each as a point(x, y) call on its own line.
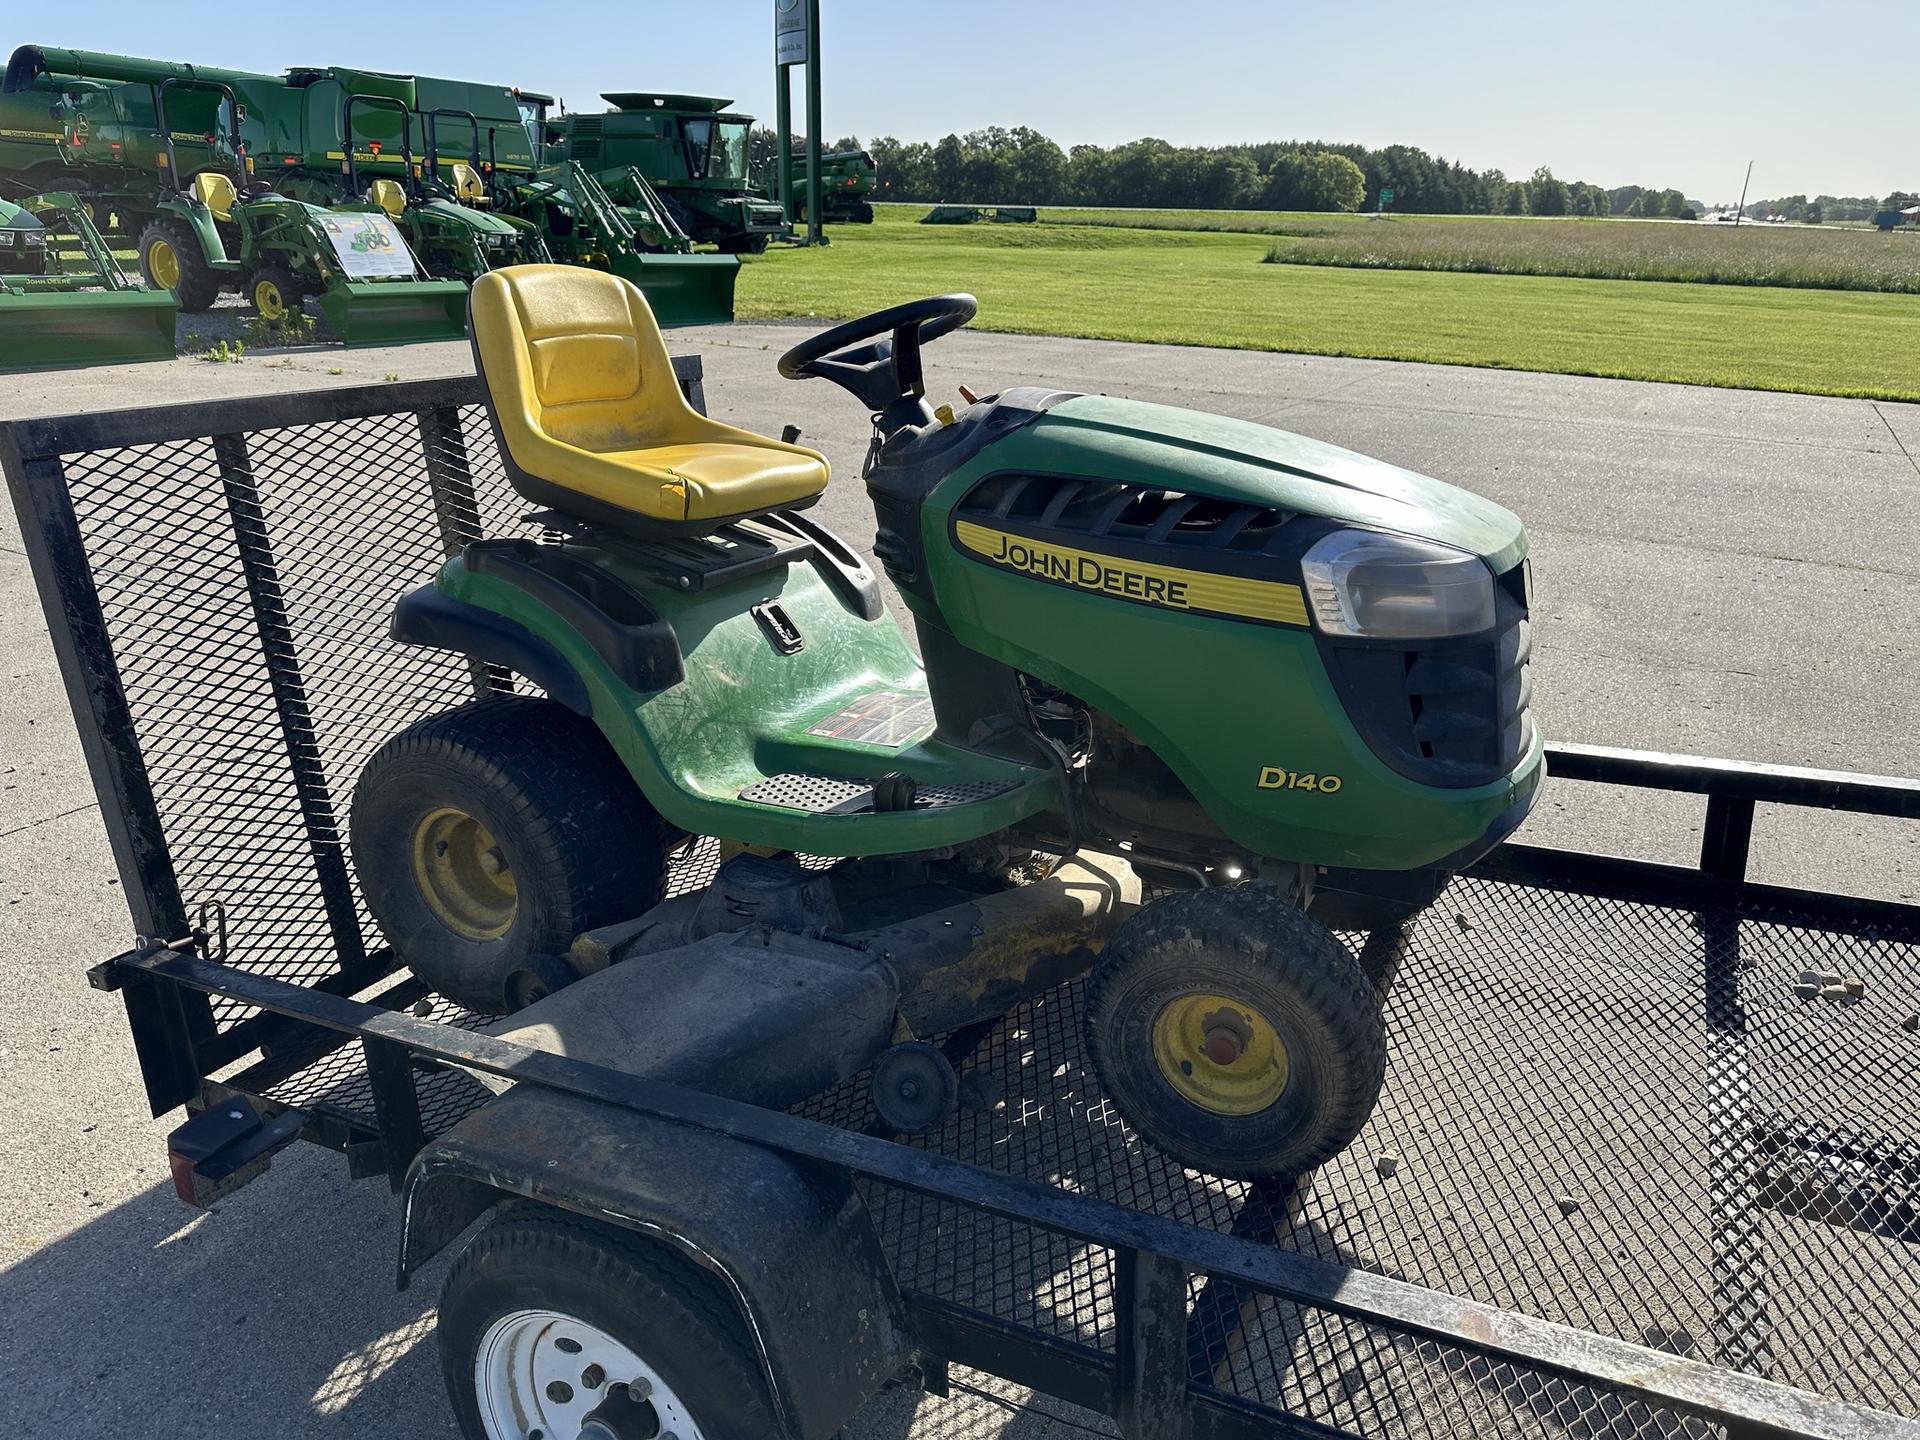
point(1719, 572)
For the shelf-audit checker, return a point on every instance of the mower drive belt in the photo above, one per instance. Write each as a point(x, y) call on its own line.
point(829, 795)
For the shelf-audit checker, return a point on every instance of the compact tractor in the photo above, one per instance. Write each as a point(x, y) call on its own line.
point(1174, 672)
point(212, 234)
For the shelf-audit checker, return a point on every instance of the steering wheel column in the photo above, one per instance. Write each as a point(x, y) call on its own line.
point(876, 358)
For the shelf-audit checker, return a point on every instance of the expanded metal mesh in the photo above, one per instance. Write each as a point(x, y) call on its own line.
point(1618, 1116)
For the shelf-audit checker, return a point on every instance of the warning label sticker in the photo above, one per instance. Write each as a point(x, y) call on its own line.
point(890, 718)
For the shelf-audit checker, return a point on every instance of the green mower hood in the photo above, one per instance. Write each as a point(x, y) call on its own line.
point(1239, 460)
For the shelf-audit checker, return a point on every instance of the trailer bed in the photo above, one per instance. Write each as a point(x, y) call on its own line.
point(1607, 1107)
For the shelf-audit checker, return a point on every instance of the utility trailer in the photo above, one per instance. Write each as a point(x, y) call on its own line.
point(1648, 1161)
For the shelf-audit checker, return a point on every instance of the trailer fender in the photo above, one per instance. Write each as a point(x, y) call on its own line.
point(791, 1241)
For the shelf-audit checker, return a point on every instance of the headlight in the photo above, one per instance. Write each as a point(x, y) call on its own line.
point(8, 240)
point(35, 238)
point(1376, 586)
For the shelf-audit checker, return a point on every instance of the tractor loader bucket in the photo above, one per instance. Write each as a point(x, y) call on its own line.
point(396, 312)
point(683, 289)
point(48, 329)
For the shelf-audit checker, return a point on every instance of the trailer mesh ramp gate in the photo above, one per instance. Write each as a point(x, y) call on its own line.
point(1613, 1101)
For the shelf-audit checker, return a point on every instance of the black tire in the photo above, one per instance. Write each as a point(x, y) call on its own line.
point(675, 1319)
point(745, 244)
point(199, 283)
point(1301, 988)
point(581, 843)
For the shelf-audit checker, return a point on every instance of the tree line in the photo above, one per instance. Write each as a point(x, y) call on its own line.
point(1020, 166)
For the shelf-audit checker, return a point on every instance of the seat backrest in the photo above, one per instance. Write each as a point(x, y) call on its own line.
point(574, 355)
point(216, 192)
point(467, 183)
point(390, 196)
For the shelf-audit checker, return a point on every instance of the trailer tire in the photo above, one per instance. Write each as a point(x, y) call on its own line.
point(170, 248)
point(486, 838)
point(538, 1280)
point(1236, 1034)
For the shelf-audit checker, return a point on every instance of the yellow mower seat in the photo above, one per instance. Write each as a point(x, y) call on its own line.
point(592, 420)
point(216, 192)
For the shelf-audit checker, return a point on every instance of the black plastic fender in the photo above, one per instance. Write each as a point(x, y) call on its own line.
point(435, 621)
point(791, 1240)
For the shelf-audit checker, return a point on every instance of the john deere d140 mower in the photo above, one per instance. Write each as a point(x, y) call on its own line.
point(1160, 645)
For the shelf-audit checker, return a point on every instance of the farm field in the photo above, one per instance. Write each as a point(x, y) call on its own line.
point(1212, 288)
point(1828, 257)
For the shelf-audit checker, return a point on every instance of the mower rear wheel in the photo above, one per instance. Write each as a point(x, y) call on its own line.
point(745, 244)
point(171, 259)
point(1236, 1034)
point(488, 837)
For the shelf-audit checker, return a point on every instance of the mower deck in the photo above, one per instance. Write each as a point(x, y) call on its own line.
point(1552, 1046)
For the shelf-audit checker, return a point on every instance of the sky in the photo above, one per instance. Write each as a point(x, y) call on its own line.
point(1680, 94)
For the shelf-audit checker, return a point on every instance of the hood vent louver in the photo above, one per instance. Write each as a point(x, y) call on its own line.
point(1105, 509)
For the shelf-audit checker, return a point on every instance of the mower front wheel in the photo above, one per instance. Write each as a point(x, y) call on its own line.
point(486, 838)
point(1236, 1034)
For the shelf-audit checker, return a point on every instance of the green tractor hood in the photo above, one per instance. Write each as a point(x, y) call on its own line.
point(1239, 460)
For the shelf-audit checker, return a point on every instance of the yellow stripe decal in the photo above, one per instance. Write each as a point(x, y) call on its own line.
point(1144, 584)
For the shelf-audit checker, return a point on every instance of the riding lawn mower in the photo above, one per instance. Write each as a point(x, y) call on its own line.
point(1176, 673)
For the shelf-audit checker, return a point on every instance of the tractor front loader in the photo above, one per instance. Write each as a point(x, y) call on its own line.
point(633, 236)
point(60, 308)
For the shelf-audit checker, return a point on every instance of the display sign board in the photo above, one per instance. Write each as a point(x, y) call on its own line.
point(790, 32)
point(368, 244)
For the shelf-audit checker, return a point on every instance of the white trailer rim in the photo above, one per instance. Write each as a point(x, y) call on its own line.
point(538, 1374)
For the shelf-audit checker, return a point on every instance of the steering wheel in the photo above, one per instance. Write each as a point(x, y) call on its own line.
point(877, 357)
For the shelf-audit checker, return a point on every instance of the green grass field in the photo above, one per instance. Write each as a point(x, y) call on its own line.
point(1211, 288)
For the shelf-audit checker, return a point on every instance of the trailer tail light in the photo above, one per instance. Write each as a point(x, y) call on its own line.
point(224, 1146)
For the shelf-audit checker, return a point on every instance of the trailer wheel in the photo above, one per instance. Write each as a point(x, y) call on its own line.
point(489, 836)
point(171, 259)
point(552, 1326)
point(1236, 1034)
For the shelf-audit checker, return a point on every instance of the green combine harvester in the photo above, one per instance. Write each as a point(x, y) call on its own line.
point(339, 140)
point(60, 308)
point(846, 182)
point(694, 154)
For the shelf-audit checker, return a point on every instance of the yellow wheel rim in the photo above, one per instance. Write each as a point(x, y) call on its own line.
point(163, 264)
point(464, 875)
point(1220, 1054)
point(268, 300)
